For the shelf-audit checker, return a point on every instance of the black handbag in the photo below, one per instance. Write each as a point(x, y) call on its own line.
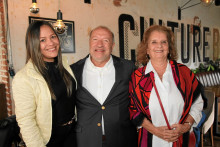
point(9, 132)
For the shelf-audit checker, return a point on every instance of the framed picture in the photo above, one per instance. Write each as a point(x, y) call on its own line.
point(67, 39)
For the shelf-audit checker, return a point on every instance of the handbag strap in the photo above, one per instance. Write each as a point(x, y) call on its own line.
point(158, 96)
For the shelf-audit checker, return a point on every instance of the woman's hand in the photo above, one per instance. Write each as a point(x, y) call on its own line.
point(180, 129)
point(162, 132)
point(166, 134)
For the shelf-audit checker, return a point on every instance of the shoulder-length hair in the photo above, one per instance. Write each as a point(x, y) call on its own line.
point(33, 53)
point(142, 57)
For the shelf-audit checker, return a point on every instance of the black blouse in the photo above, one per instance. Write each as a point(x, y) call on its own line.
point(63, 108)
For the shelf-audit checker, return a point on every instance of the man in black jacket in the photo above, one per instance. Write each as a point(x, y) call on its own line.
point(102, 96)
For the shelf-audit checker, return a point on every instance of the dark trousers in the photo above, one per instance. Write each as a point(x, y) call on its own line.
point(62, 136)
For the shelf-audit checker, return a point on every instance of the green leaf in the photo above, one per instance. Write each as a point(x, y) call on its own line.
point(213, 68)
point(209, 68)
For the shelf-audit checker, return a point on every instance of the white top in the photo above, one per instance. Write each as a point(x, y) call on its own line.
point(99, 80)
point(172, 101)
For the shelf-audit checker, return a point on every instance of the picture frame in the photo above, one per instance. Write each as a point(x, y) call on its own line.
point(67, 39)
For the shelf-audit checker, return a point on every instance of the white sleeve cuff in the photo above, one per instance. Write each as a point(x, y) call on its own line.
point(196, 110)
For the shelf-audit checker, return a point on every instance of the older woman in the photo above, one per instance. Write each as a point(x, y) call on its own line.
point(178, 89)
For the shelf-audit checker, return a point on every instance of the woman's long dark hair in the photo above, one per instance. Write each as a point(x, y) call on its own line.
point(34, 54)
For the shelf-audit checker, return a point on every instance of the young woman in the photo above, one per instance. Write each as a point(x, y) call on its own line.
point(44, 91)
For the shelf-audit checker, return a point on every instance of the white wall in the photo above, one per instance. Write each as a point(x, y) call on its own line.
point(103, 12)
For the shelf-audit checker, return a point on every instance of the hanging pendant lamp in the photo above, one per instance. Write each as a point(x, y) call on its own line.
point(207, 2)
point(34, 7)
point(59, 26)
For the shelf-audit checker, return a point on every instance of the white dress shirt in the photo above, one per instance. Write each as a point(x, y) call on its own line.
point(172, 101)
point(99, 81)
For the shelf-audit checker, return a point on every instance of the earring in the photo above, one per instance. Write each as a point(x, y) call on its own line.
point(148, 57)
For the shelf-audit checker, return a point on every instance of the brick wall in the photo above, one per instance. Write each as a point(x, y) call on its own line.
point(4, 75)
